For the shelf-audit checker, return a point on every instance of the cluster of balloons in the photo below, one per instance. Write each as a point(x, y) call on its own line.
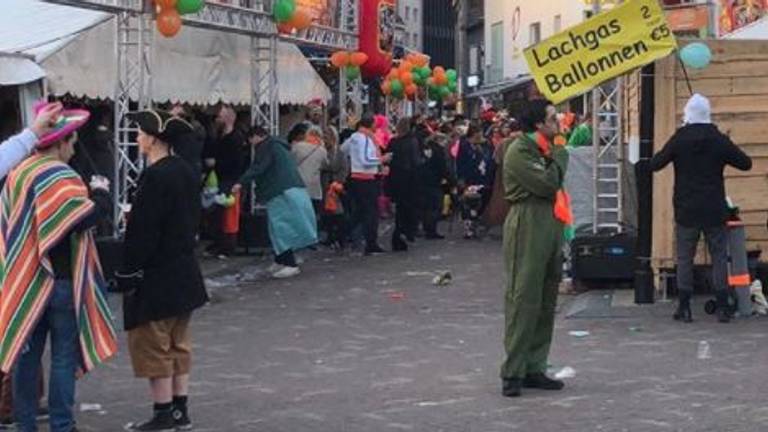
point(289, 17)
point(169, 14)
point(405, 80)
point(349, 61)
point(442, 84)
point(696, 55)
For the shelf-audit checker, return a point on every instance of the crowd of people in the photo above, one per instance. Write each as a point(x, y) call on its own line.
point(320, 186)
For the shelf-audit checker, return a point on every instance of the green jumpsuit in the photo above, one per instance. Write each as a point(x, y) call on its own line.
point(533, 241)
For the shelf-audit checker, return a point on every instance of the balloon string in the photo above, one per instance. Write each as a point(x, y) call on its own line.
point(685, 73)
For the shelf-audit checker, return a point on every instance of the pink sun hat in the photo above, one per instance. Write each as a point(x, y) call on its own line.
point(69, 121)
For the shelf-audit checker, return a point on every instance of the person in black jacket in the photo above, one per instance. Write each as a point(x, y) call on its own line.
point(403, 176)
point(700, 153)
point(434, 173)
point(160, 244)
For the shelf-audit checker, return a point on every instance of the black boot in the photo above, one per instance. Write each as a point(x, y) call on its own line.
point(723, 308)
point(683, 312)
point(542, 382)
point(398, 244)
point(512, 387)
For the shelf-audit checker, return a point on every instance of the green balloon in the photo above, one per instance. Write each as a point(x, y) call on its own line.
point(185, 7)
point(284, 10)
point(445, 91)
point(353, 72)
point(425, 72)
point(452, 86)
point(434, 95)
point(397, 87)
point(452, 75)
point(418, 80)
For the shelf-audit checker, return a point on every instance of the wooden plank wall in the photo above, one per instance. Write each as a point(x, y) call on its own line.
point(737, 85)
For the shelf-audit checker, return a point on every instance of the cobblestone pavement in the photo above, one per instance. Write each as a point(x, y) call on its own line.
point(370, 344)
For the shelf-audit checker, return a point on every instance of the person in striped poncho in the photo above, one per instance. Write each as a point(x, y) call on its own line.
point(50, 276)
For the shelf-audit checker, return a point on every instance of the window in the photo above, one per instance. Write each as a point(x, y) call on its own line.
point(415, 14)
point(474, 60)
point(535, 34)
point(415, 40)
point(496, 70)
point(407, 13)
point(558, 23)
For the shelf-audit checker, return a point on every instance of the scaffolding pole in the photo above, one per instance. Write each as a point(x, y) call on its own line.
point(133, 44)
point(350, 91)
point(608, 153)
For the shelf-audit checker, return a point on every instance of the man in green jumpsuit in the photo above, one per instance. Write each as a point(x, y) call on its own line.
point(533, 172)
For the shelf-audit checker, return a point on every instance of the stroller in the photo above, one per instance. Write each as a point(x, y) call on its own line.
point(472, 202)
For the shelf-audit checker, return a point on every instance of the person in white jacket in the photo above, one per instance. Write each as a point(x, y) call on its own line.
point(364, 185)
point(16, 148)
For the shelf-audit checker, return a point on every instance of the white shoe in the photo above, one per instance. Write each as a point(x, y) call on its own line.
point(286, 272)
point(274, 268)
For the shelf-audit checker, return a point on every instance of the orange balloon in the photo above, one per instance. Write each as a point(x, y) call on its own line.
point(393, 74)
point(358, 58)
point(301, 20)
point(165, 4)
point(340, 59)
point(438, 70)
point(386, 88)
point(419, 60)
point(411, 89)
point(169, 22)
point(431, 82)
point(406, 66)
point(406, 77)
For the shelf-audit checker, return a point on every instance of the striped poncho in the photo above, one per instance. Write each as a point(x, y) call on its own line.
point(42, 201)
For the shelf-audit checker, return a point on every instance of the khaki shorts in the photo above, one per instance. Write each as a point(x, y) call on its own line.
point(161, 349)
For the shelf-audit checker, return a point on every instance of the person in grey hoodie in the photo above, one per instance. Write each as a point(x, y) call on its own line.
point(364, 183)
point(700, 153)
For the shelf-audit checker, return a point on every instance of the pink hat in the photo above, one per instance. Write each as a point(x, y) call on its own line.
point(68, 122)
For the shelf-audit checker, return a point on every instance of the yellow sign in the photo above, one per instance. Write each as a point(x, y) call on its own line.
point(608, 45)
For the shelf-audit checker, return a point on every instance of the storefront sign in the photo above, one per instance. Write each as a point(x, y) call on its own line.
point(688, 19)
point(735, 14)
point(612, 43)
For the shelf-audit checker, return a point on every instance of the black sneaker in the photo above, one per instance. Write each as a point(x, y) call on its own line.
point(181, 420)
point(375, 250)
point(542, 382)
point(162, 421)
point(43, 414)
point(512, 387)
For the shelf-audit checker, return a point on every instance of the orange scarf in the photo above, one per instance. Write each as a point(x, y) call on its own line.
point(562, 207)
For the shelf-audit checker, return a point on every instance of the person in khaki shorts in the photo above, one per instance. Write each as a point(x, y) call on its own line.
point(160, 274)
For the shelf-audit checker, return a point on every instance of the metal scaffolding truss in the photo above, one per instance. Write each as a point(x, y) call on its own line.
point(253, 18)
point(609, 156)
point(133, 50)
point(350, 91)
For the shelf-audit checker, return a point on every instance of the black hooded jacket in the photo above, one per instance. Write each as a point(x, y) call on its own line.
point(700, 153)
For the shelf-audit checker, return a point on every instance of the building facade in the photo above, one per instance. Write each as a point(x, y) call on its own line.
point(511, 26)
point(411, 13)
point(439, 23)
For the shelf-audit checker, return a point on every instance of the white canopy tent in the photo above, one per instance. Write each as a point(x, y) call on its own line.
point(75, 49)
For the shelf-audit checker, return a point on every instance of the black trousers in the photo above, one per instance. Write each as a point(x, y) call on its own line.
point(287, 259)
point(432, 206)
point(365, 195)
point(406, 219)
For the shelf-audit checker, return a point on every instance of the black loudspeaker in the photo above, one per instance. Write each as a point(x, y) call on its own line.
point(604, 257)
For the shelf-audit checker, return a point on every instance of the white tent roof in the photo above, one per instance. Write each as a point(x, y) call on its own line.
point(76, 49)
